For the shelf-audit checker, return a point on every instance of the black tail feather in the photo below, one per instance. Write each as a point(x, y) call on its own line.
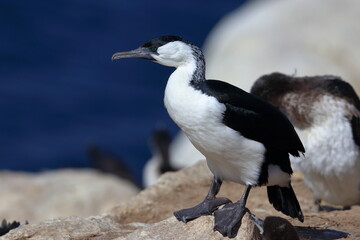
point(284, 200)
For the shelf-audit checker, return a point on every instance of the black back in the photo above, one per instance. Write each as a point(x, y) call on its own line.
point(257, 120)
point(254, 118)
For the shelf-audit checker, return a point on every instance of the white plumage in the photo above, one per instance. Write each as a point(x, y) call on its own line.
point(332, 163)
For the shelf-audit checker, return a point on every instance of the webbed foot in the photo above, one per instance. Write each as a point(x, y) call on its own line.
point(207, 207)
point(228, 219)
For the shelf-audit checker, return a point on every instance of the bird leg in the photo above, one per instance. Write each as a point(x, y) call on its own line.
point(318, 208)
point(316, 205)
point(258, 222)
point(228, 219)
point(206, 207)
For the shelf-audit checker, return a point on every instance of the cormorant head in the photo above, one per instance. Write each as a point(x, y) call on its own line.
point(172, 51)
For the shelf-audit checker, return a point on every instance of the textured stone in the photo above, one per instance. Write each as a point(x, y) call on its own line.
point(148, 215)
point(172, 192)
point(50, 194)
point(199, 229)
point(96, 228)
point(68, 228)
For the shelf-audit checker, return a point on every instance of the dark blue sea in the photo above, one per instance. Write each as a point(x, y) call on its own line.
point(59, 90)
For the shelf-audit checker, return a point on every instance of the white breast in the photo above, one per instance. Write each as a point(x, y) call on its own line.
point(229, 155)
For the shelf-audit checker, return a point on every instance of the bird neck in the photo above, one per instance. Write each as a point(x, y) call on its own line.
point(198, 74)
point(191, 73)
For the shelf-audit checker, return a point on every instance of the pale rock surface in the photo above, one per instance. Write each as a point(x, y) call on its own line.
point(68, 228)
point(50, 194)
point(105, 228)
point(199, 229)
point(173, 191)
point(147, 215)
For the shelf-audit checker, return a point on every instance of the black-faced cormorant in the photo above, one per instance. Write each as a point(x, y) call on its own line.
point(243, 138)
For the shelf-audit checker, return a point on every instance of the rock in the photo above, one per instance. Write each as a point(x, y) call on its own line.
point(155, 205)
point(50, 194)
point(172, 192)
point(199, 229)
point(96, 228)
point(148, 215)
point(68, 228)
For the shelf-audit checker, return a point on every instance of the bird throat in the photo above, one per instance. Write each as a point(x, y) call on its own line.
point(182, 89)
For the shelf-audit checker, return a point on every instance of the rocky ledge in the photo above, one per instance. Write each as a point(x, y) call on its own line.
point(148, 215)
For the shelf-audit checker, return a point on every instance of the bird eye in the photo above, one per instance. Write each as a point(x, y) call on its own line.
point(153, 49)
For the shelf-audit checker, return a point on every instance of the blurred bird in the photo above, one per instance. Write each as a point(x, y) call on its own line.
point(243, 138)
point(5, 226)
point(160, 144)
point(326, 112)
point(109, 163)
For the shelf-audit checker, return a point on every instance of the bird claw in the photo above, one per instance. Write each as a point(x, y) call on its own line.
point(207, 207)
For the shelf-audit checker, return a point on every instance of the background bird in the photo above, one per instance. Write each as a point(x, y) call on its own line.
point(109, 163)
point(5, 226)
point(243, 138)
point(326, 112)
point(154, 168)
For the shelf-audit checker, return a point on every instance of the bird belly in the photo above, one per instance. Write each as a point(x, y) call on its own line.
point(331, 165)
point(229, 155)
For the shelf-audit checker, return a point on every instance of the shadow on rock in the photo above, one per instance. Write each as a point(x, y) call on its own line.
point(320, 234)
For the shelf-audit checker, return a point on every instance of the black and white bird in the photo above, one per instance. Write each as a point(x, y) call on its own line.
point(161, 162)
point(326, 112)
point(243, 138)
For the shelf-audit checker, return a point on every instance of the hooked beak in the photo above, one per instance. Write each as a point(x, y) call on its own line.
point(140, 52)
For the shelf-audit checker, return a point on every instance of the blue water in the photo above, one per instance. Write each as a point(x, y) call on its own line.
point(59, 90)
